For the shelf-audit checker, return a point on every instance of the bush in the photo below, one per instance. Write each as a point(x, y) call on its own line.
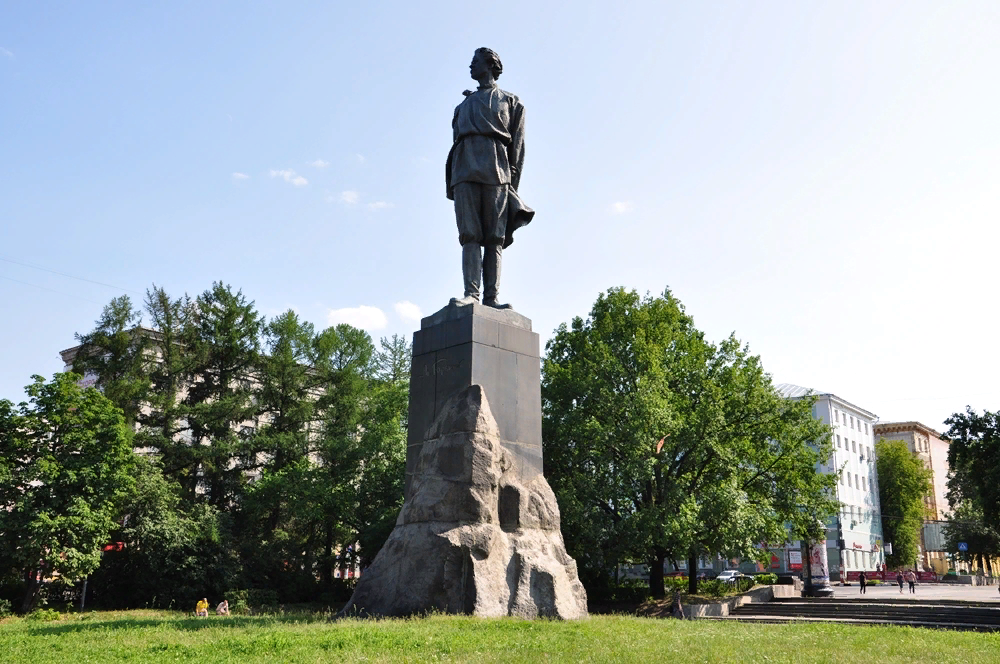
point(5, 608)
point(252, 600)
point(766, 579)
point(713, 588)
point(44, 615)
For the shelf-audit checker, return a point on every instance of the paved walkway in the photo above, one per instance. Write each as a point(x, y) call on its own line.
point(925, 592)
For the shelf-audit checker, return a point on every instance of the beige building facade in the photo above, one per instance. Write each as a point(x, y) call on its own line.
point(929, 446)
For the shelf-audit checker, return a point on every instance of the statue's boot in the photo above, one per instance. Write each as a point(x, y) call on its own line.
point(472, 268)
point(491, 276)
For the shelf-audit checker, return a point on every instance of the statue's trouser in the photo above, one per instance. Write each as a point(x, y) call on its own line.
point(491, 272)
point(472, 267)
point(481, 215)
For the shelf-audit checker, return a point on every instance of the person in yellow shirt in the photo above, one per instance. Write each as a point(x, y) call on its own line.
point(201, 608)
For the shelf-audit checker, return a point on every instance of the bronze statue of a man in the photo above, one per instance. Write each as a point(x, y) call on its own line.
point(482, 175)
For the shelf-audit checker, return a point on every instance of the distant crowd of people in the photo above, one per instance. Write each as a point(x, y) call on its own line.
point(201, 608)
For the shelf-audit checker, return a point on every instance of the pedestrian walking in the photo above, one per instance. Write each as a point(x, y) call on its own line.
point(864, 582)
point(899, 580)
point(911, 578)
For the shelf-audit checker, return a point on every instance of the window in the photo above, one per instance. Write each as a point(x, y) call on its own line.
point(838, 441)
point(854, 446)
point(841, 478)
point(852, 421)
point(849, 480)
point(864, 484)
point(866, 428)
point(857, 482)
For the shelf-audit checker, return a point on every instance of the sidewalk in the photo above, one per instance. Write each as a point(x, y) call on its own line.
point(925, 592)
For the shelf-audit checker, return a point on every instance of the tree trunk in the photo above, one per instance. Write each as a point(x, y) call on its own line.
point(328, 557)
point(656, 575)
point(692, 572)
point(31, 591)
point(83, 593)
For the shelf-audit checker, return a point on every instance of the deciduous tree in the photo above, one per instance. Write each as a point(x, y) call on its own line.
point(65, 457)
point(903, 482)
point(661, 445)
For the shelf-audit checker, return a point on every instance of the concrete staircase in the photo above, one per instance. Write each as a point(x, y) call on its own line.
point(944, 614)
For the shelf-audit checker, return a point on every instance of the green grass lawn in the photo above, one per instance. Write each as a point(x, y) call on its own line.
point(161, 636)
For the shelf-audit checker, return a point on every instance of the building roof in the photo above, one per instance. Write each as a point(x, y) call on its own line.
point(792, 391)
point(896, 427)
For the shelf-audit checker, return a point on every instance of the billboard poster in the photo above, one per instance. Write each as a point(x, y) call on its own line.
point(818, 570)
point(795, 560)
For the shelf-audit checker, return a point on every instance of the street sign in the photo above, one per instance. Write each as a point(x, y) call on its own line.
point(963, 546)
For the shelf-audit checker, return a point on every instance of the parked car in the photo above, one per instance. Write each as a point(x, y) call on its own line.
point(707, 574)
point(730, 575)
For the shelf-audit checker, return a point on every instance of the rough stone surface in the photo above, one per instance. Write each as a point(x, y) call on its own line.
point(471, 537)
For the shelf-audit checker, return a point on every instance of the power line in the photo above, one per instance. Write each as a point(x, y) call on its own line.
point(51, 290)
point(71, 276)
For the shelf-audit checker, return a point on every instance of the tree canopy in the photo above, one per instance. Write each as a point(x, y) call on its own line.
point(663, 446)
point(903, 482)
point(274, 451)
point(65, 459)
point(974, 482)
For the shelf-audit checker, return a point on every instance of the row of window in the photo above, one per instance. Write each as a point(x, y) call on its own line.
point(841, 417)
point(866, 451)
point(862, 482)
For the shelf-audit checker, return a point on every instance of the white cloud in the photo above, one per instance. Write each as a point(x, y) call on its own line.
point(361, 158)
point(288, 175)
point(380, 205)
point(3, 51)
point(408, 311)
point(319, 163)
point(240, 176)
point(350, 197)
point(363, 317)
point(621, 207)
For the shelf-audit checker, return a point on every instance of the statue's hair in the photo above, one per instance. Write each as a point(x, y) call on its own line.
point(494, 60)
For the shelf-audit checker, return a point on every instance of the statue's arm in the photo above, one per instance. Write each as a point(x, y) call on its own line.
point(454, 126)
point(515, 151)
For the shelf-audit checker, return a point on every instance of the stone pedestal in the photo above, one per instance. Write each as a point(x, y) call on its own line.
point(479, 345)
point(479, 529)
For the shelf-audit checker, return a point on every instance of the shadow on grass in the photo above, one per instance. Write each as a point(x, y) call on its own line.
point(180, 624)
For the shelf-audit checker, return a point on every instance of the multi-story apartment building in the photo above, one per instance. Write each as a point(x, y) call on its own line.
point(854, 536)
point(927, 445)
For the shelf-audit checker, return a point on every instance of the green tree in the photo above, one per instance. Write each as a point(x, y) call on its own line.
point(966, 523)
point(903, 482)
point(65, 458)
point(383, 446)
point(974, 462)
point(219, 406)
point(163, 424)
point(347, 353)
point(116, 352)
point(289, 386)
point(662, 446)
point(170, 554)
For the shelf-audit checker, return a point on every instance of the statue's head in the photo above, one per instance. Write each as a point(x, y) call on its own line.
point(485, 60)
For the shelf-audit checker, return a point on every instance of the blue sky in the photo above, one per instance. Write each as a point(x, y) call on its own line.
point(821, 178)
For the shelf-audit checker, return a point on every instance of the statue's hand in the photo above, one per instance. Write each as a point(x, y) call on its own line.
point(466, 92)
